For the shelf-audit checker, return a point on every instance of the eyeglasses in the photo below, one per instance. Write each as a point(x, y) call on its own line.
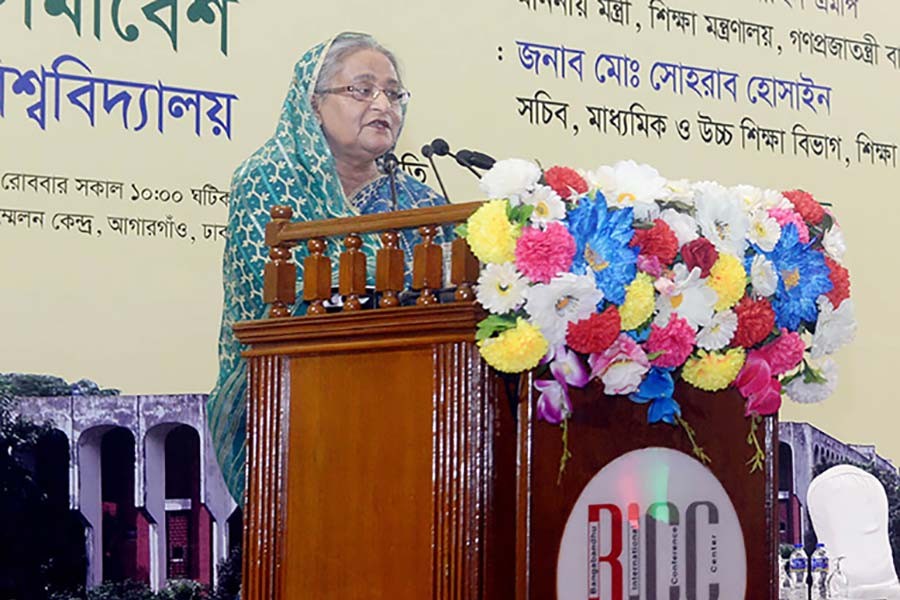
point(369, 93)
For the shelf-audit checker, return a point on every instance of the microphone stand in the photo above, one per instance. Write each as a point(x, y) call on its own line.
point(428, 152)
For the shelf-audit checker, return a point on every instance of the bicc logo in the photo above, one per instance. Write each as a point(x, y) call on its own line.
point(654, 524)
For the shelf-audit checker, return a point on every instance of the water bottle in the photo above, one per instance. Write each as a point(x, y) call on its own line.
point(784, 582)
point(797, 565)
point(838, 586)
point(818, 569)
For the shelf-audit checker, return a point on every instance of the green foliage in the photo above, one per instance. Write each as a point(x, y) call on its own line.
point(229, 570)
point(182, 589)
point(44, 386)
point(494, 325)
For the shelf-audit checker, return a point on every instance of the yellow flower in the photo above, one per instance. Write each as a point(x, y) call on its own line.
point(491, 236)
point(729, 279)
point(713, 371)
point(515, 350)
point(640, 300)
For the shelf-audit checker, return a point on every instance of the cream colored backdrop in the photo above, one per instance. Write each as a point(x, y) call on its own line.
point(141, 312)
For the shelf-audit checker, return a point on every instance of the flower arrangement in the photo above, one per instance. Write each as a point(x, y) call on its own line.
point(622, 276)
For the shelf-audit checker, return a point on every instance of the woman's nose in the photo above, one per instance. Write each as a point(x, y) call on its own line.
point(381, 101)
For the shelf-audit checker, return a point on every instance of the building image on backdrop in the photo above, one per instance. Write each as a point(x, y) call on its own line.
point(141, 475)
point(803, 452)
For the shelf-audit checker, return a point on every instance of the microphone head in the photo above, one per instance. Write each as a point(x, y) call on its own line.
point(427, 151)
point(481, 160)
point(464, 157)
point(441, 147)
point(391, 161)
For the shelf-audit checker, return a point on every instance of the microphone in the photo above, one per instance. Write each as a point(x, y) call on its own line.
point(478, 160)
point(387, 164)
point(428, 152)
point(442, 148)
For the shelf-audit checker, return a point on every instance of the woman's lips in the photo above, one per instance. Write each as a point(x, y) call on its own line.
point(380, 124)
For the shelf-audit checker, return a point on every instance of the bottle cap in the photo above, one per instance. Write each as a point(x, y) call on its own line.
point(820, 545)
point(798, 545)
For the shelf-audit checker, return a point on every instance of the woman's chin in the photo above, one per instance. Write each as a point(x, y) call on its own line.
point(377, 143)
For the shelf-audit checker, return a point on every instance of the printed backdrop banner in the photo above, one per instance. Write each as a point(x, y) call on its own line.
point(121, 122)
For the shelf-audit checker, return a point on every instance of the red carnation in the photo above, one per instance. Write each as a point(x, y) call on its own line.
point(700, 253)
point(658, 241)
point(565, 181)
point(596, 333)
point(756, 319)
point(840, 280)
point(806, 205)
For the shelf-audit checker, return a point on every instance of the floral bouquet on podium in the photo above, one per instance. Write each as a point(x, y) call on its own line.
point(623, 276)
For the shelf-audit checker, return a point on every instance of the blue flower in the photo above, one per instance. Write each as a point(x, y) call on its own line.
point(602, 238)
point(657, 389)
point(639, 335)
point(802, 278)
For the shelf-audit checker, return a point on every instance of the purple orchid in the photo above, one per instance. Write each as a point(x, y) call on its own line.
point(553, 405)
point(567, 368)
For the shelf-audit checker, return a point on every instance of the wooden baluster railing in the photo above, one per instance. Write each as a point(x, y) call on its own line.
point(280, 274)
point(464, 269)
point(316, 277)
point(352, 274)
point(389, 270)
point(428, 266)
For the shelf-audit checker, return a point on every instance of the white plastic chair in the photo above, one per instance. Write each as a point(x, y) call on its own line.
point(849, 512)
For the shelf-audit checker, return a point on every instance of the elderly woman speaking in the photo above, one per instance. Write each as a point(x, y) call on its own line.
point(345, 109)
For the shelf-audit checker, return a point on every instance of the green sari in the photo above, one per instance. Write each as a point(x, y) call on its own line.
point(295, 168)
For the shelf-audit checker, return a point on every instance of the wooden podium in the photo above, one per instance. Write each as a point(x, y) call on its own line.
point(386, 460)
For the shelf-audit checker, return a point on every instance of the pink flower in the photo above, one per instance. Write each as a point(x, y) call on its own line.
point(785, 216)
point(649, 264)
point(553, 405)
point(665, 286)
point(784, 353)
point(675, 341)
point(621, 367)
point(756, 384)
point(543, 254)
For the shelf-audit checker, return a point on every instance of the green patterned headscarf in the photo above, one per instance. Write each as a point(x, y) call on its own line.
point(295, 168)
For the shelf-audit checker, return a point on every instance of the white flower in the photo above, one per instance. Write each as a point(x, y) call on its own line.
point(834, 328)
point(799, 390)
point(690, 298)
point(566, 299)
point(548, 206)
point(755, 200)
point(683, 225)
point(763, 276)
point(512, 179)
point(680, 190)
point(833, 242)
point(764, 231)
point(719, 332)
point(627, 183)
point(722, 218)
point(501, 288)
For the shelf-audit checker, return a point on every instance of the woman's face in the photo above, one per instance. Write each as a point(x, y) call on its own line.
point(361, 130)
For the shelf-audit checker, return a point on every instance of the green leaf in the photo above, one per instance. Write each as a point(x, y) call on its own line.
point(494, 325)
point(812, 375)
point(519, 214)
point(655, 355)
point(678, 206)
point(462, 230)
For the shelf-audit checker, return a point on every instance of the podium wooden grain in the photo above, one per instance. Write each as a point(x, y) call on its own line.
point(381, 459)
